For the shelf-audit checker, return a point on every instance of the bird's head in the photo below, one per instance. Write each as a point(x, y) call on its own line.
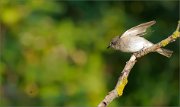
point(114, 42)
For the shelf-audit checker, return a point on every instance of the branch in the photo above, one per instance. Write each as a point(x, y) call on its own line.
point(123, 78)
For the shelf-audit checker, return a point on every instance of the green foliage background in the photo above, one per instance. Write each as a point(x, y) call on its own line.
point(53, 53)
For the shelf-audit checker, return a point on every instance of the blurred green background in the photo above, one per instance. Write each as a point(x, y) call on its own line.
point(53, 53)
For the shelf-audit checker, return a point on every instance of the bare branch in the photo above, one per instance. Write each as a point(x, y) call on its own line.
point(123, 78)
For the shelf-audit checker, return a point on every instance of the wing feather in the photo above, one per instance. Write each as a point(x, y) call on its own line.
point(138, 30)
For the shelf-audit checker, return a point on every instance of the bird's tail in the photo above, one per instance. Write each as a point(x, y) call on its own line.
point(165, 52)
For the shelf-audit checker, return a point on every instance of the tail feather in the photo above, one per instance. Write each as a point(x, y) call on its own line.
point(165, 52)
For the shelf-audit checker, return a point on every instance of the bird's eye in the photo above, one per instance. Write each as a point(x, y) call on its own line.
point(113, 43)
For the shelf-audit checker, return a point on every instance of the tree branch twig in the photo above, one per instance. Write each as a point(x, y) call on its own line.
point(123, 78)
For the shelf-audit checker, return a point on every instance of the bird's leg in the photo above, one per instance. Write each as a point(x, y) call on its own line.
point(140, 51)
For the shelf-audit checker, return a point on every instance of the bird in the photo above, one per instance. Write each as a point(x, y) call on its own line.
point(132, 40)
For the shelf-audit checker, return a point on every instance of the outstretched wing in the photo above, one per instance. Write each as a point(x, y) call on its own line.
point(138, 30)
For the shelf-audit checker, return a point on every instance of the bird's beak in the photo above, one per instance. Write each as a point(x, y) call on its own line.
point(108, 47)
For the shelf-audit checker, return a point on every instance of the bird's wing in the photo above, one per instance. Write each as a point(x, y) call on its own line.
point(138, 30)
